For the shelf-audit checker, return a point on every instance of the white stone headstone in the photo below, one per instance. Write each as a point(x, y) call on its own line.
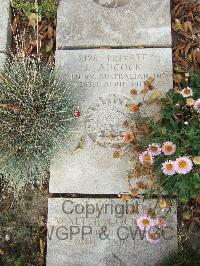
point(103, 81)
point(103, 232)
point(115, 23)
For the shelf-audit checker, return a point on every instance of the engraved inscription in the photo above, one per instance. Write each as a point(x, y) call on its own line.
point(116, 70)
point(112, 3)
point(111, 260)
point(104, 123)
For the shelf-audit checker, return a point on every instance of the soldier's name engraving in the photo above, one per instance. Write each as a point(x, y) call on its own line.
point(118, 71)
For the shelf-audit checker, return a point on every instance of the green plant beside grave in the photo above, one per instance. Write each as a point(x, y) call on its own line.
point(168, 150)
point(180, 124)
point(44, 8)
point(36, 112)
point(185, 257)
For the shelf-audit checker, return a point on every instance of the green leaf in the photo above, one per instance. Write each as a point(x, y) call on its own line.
point(34, 19)
point(49, 45)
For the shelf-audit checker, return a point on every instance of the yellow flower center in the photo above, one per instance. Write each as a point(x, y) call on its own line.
point(190, 101)
point(146, 222)
point(153, 236)
point(169, 167)
point(182, 164)
point(198, 106)
point(147, 157)
point(187, 91)
point(168, 148)
point(153, 148)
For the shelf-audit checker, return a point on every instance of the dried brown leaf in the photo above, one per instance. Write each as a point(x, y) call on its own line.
point(178, 78)
point(50, 32)
point(116, 154)
point(178, 25)
point(133, 92)
point(42, 246)
point(135, 191)
point(125, 197)
point(15, 23)
point(163, 203)
point(187, 26)
point(11, 107)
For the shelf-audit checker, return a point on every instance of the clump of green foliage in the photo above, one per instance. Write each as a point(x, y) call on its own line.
point(36, 112)
point(185, 257)
point(44, 8)
point(180, 124)
point(20, 243)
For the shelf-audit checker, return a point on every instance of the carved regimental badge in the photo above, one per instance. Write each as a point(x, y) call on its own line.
point(104, 122)
point(112, 3)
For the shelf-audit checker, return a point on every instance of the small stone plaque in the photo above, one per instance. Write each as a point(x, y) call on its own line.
point(103, 232)
point(5, 25)
point(103, 80)
point(114, 23)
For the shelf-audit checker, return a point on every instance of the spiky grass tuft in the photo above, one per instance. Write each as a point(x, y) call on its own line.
point(36, 111)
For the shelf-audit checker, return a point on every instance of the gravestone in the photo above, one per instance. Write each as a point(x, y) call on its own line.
point(103, 81)
point(92, 231)
point(114, 23)
point(5, 28)
point(103, 232)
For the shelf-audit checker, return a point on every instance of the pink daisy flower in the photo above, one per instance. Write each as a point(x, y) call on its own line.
point(197, 106)
point(146, 158)
point(160, 222)
point(186, 92)
point(168, 168)
point(168, 148)
point(153, 236)
point(183, 165)
point(144, 222)
point(154, 149)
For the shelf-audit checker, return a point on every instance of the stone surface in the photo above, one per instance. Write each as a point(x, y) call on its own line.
point(5, 28)
point(91, 232)
point(123, 23)
point(103, 80)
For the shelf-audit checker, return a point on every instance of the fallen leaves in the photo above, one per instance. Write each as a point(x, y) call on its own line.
point(133, 92)
point(11, 107)
point(34, 37)
point(186, 54)
point(117, 155)
point(178, 25)
point(42, 247)
point(15, 23)
point(148, 85)
point(125, 197)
